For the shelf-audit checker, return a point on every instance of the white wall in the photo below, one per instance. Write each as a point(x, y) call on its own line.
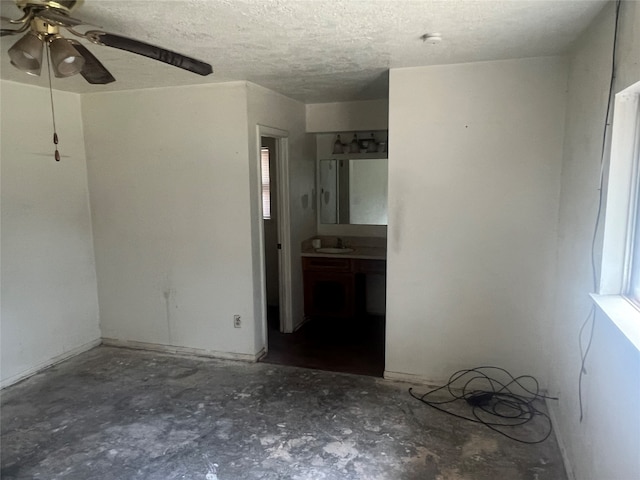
point(271, 109)
point(475, 153)
point(347, 116)
point(606, 445)
point(49, 300)
point(170, 197)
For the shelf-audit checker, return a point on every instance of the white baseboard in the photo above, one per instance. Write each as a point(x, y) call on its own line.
point(301, 324)
point(563, 450)
point(49, 363)
point(411, 378)
point(198, 352)
point(261, 354)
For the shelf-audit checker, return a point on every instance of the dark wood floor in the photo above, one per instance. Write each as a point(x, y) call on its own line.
point(350, 346)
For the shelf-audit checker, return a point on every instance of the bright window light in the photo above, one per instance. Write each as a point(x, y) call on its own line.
point(633, 290)
point(266, 183)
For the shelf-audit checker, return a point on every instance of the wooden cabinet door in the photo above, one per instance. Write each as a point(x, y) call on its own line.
point(329, 294)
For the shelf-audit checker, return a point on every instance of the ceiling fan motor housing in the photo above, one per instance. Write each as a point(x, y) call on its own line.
point(44, 28)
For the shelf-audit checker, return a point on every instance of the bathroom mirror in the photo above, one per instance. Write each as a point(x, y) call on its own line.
point(353, 191)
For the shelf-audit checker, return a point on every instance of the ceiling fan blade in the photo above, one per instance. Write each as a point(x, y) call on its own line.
point(6, 31)
point(23, 28)
point(58, 18)
point(151, 51)
point(93, 71)
point(24, 19)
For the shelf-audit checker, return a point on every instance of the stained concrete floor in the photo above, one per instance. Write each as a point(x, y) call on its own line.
point(122, 414)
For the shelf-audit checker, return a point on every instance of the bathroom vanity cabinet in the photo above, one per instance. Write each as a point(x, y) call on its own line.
point(335, 286)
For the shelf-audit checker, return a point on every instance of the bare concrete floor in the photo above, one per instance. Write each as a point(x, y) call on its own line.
point(122, 414)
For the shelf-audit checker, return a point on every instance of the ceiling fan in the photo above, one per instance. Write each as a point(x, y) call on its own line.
point(42, 21)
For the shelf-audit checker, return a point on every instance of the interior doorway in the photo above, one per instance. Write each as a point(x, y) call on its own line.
point(270, 216)
point(324, 342)
point(272, 147)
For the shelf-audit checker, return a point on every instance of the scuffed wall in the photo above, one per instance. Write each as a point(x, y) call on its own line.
point(606, 444)
point(49, 300)
point(475, 155)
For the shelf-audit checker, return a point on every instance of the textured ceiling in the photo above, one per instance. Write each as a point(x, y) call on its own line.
point(315, 50)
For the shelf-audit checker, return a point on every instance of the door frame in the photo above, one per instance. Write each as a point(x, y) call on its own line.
point(284, 231)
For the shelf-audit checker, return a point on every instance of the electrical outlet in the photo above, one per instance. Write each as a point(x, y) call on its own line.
point(237, 323)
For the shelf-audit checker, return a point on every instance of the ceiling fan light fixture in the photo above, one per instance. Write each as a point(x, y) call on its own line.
point(26, 53)
point(65, 59)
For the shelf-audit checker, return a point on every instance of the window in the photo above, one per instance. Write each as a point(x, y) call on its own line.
point(633, 290)
point(620, 256)
point(619, 291)
point(266, 184)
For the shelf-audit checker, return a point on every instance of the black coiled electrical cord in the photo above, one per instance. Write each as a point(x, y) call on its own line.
point(500, 405)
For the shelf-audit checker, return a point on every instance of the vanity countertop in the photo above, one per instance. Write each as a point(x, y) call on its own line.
point(365, 248)
point(367, 253)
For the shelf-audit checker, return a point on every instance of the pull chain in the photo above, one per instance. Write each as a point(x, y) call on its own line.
point(53, 113)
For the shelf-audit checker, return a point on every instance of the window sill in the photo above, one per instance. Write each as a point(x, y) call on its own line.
point(622, 313)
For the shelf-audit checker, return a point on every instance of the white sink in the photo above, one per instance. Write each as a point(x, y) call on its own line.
point(333, 250)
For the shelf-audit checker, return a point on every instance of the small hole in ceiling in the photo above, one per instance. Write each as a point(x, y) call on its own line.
point(431, 38)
